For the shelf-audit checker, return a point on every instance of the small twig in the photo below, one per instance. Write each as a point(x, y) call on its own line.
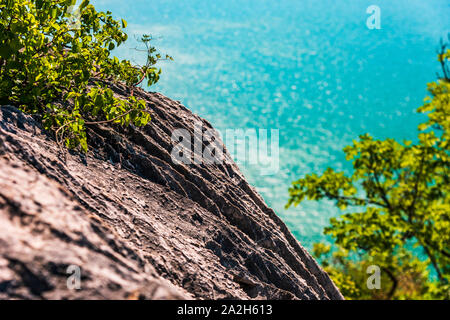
point(116, 118)
point(442, 60)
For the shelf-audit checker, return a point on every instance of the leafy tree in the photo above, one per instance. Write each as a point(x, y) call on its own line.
point(57, 67)
point(401, 200)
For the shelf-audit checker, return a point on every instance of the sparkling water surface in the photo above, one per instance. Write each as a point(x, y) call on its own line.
point(310, 68)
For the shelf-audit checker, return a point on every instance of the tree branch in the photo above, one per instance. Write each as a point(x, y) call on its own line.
point(394, 282)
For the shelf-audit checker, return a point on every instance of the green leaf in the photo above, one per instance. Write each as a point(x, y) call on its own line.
point(84, 4)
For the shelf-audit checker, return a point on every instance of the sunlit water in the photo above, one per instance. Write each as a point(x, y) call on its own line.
point(310, 68)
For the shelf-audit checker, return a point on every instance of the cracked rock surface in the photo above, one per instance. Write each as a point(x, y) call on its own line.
point(138, 225)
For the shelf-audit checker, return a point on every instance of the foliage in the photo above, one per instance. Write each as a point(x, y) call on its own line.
point(350, 274)
point(400, 192)
point(57, 66)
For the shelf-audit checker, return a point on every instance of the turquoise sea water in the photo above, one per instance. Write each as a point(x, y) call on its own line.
point(310, 68)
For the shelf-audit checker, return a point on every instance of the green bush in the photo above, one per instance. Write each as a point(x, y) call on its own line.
point(55, 63)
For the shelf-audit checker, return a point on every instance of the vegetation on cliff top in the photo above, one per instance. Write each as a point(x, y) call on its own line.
point(53, 60)
point(401, 196)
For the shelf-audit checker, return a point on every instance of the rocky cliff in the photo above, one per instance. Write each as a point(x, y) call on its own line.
point(136, 224)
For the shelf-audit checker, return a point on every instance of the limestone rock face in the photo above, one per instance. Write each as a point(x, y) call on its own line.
point(137, 225)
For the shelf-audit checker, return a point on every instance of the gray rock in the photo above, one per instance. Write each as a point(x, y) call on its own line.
point(138, 225)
